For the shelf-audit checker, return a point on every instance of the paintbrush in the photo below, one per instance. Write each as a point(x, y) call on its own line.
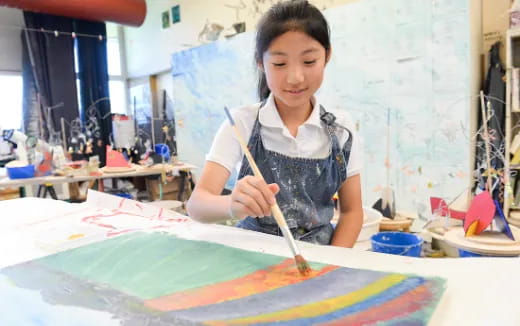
point(301, 263)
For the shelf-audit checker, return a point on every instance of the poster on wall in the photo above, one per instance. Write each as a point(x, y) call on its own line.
point(165, 16)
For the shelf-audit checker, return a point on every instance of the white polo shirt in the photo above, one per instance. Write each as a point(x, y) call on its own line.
point(312, 139)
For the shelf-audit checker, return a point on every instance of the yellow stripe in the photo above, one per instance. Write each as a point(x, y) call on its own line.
point(318, 308)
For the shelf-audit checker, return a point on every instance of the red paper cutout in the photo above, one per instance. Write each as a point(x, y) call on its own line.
point(440, 207)
point(116, 159)
point(482, 210)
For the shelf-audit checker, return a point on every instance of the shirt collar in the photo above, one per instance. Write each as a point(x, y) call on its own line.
point(269, 116)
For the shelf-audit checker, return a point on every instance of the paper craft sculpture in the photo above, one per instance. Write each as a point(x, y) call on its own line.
point(480, 214)
point(116, 159)
point(440, 207)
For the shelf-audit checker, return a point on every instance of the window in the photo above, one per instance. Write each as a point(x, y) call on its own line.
point(11, 96)
point(113, 56)
point(117, 91)
point(117, 83)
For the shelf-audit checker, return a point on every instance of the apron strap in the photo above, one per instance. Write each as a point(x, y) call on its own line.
point(329, 120)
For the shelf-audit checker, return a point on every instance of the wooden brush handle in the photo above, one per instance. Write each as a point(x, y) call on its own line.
point(277, 212)
point(303, 267)
point(278, 216)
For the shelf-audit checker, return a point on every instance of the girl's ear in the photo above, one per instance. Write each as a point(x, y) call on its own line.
point(328, 55)
point(260, 66)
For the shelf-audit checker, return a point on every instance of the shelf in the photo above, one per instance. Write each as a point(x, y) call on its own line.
point(514, 32)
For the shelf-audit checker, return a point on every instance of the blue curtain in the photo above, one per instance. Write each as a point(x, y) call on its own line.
point(32, 114)
point(93, 77)
point(50, 60)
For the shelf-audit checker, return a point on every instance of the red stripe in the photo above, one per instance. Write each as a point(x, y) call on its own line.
point(401, 306)
point(275, 276)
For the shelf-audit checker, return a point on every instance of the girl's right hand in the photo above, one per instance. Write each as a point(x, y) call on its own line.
point(252, 197)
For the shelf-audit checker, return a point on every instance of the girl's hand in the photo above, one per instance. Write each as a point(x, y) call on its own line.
point(252, 197)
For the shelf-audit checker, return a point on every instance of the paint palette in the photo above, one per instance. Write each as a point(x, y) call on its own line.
point(159, 279)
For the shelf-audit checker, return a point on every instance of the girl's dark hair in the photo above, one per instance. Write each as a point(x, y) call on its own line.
point(285, 16)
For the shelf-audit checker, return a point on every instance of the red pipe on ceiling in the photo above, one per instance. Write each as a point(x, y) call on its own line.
point(126, 12)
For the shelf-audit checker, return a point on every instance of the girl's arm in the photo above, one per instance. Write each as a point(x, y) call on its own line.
point(206, 204)
point(250, 197)
point(351, 213)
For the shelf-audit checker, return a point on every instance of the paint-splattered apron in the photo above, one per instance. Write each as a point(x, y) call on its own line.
point(306, 185)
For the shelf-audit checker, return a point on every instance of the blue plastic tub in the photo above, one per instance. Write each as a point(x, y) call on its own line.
point(23, 172)
point(124, 195)
point(466, 254)
point(163, 150)
point(397, 243)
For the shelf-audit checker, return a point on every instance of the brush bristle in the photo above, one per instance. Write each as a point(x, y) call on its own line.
point(302, 265)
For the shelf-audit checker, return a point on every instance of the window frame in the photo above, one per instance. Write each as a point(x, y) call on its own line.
point(17, 74)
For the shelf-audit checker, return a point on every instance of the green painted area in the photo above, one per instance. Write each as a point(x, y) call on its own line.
point(150, 265)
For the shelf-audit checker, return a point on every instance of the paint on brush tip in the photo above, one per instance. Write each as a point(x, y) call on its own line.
point(229, 116)
point(302, 265)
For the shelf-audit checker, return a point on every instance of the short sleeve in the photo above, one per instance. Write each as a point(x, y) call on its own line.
point(225, 149)
point(355, 162)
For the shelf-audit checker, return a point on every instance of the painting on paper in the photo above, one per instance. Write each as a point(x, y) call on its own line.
point(160, 279)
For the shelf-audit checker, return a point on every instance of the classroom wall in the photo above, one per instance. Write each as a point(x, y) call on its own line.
point(10, 42)
point(149, 47)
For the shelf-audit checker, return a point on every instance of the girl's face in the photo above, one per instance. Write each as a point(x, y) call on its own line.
point(294, 64)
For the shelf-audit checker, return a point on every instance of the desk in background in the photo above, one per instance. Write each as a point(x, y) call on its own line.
point(53, 180)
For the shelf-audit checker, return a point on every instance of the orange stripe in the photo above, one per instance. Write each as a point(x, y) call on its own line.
point(274, 277)
point(399, 307)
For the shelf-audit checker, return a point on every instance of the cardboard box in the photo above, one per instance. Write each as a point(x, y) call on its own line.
point(171, 190)
point(9, 193)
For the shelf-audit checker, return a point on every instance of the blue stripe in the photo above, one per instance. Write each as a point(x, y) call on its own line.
point(375, 300)
point(329, 285)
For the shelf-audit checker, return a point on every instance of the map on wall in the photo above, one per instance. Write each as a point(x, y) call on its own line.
point(409, 57)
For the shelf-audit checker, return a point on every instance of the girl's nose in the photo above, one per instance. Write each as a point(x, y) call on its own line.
point(295, 75)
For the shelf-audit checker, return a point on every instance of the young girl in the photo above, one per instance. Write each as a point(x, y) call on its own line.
point(305, 153)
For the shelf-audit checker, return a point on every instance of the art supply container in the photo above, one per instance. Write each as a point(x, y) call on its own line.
point(464, 253)
point(21, 172)
point(397, 243)
point(163, 150)
point(124, 195)
point(468, 254)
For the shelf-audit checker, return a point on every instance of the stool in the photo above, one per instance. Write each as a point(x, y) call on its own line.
point(48, 188)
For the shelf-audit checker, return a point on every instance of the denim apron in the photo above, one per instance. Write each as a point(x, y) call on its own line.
point(306, 185)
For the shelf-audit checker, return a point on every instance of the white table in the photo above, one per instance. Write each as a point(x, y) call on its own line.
point(480, 291)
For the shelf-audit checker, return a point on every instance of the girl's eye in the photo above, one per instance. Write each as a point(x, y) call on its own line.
point(278, 64)
point(310, 62)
